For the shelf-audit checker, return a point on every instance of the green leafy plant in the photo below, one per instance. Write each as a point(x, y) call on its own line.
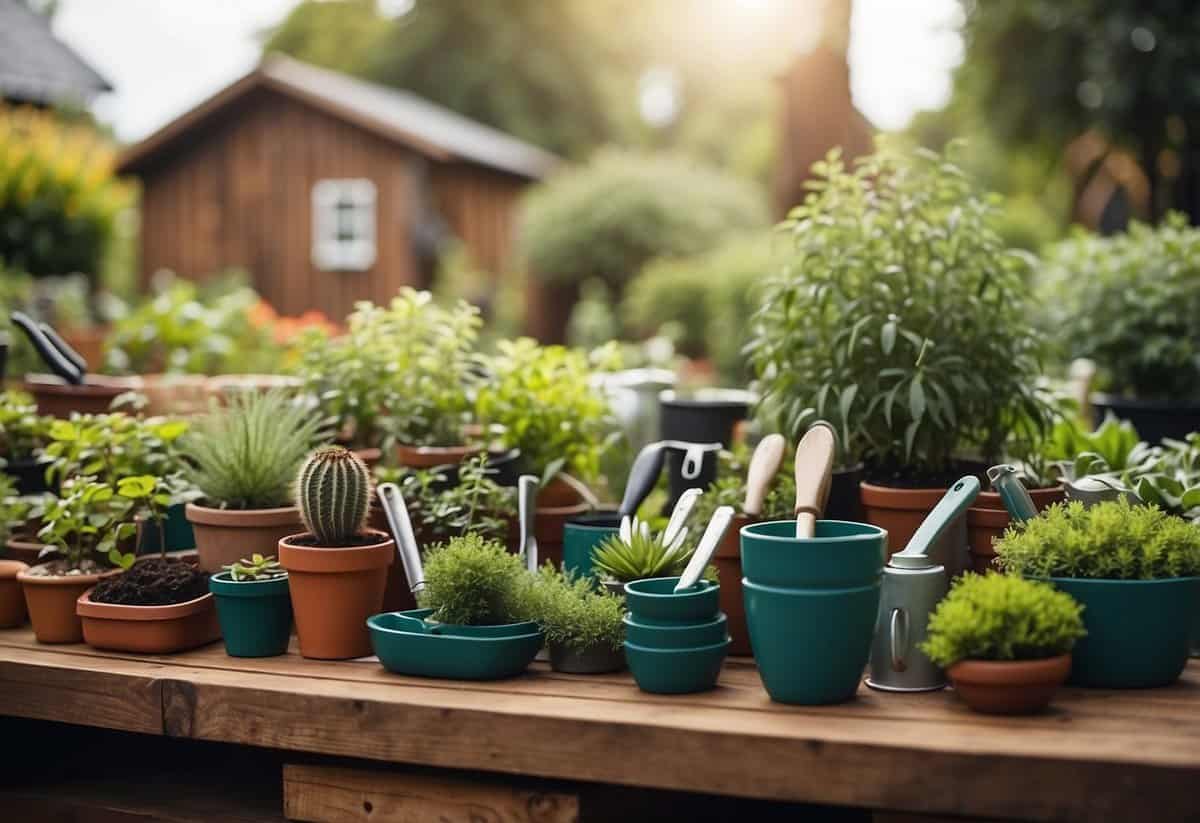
point(245, 454)
point(643, 555)
point(1000, 617)
point(573, 612)
point(1108, 541)
point(900, 317)
point(89, 523)
point(1172, 480)
point(473, 581)
point(23, 432)
point(333, 491)
point(256, 567)
point(1114, 447)
point(440, 511)
point(13, 509)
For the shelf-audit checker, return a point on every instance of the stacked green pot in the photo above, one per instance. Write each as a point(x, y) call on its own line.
point(675, 643)
point(811, 606)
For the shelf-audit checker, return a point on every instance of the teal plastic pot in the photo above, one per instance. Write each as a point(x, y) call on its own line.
point(676, 671)
point(811, 645)
point(653, 601)
point(581, 536)
point(842, 554)
point(178, 531)
point(1139, 632)
point(402, 649)
point(255, 615)
point(676, 636)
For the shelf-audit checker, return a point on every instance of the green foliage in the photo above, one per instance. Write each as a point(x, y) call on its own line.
point(23, 432)
point(1108, 541)
point(1130, 303)
point(644, 555)
point(541, 400)
point(1171, 480)
point(13, 509)
point(256, 567)
point(900, 318)
point(333, 491)
point(245, 454)
point(90, 521)
point(1114, 447)
point(573, 612)
point(475, 504)
point(610, 217)
point(999, 617)
point(473, 581)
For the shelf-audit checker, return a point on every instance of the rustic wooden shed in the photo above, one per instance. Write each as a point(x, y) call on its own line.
point(326, 189)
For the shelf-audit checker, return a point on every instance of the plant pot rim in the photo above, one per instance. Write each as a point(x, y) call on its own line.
point(465, 448)
point(724, 644)
point(9, 569)
point(720, 619)
point(1181, 407)
point(701, 589)
point(86, 607)
point(241, 518)
point(64, 579)
point(800, 591)
point(872, 532)
point(988, 501)
point(228, 587)
point(336, 559)
point(1108, 581)
point(879, 496)
point(711, 398)
point(94, 385)
point(1012, 672)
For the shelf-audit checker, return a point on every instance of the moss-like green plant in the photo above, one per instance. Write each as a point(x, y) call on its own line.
point(256, 567)
point(333, 491)
point(473, 582)
point(1109, 541)
point(573, 612)
point(1000, 617)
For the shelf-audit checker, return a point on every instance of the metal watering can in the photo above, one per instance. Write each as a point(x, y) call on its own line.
point(913, 584)
point(1096, 488)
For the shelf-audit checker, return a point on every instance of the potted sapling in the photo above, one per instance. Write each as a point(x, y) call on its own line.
point(338, 568)
point(253, 606)
point(1004, 641)
point(583, 625)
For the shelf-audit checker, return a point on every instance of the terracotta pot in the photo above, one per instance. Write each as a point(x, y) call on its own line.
point(225, 536)
point(57, 398)
point(900, 511)
point(563, 490)
point(12, 600)
point(25, 548)
point(728, 560)
point(88, 343)
point(370, 456)
point(148, 629)
point(1009, 686)
point(424, 457)
point(175, 394)
point(223, 385)
point(334, 591)
point(987, 520)
point(51, 602)
point(548, 527)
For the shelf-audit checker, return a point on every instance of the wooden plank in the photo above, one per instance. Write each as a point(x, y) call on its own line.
point(139, 802)
point(326, 794)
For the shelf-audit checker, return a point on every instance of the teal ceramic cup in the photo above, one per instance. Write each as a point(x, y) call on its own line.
point(676, 671)
point(255, 615)
point(811, 645)
point(676, 636)
point(582, 535)
point(841, 555)
point(653, 601)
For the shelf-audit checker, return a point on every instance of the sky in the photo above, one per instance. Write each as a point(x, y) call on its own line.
point(165, 56)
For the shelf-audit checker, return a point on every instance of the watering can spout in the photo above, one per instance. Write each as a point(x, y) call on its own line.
point(1007, 483)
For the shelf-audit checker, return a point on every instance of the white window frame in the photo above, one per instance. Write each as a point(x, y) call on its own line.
point(331, 199)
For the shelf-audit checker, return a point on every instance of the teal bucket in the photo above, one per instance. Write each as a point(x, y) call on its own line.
point(255, 615)
point(841, 555)
point(676, 671)
point(179, 536)
point(582, 535)
point(1139, 632)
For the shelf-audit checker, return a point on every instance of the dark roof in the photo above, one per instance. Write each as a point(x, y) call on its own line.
point(396, 115)
point(35, 66)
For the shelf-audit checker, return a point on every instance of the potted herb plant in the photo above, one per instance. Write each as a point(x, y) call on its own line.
point(583, 625)
point(253, 606)
point(23, 435)
point(242, 458)
point(1136, 571)
point(902, 319)
point(338, 568)
point(473, 581)
point(1004, 641)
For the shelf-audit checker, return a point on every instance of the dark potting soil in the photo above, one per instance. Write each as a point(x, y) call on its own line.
point(900, 477)
point(310, 541)
point(153, 582)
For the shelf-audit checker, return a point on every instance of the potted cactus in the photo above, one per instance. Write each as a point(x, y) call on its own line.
point(338, 569)
point(253, 606)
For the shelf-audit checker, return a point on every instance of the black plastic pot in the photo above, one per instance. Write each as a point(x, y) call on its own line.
point(705, 417)
point(845, 500)
point(506, 466)
point(30, 475)
point(1154, 420)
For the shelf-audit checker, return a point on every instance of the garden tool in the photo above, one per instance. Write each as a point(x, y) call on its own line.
point(527, 490)
point(679, 515)
point(814, 474)
point(59, 357)
point(392, 501)
point(912, 586)
point(1096, 488)
point(643, 475)
point(1016, 499)
point(764, 465)
point(709, 541)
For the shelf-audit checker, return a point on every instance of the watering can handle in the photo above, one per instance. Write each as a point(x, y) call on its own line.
point(1012, 492)
point(899, 637)
point(961, 495)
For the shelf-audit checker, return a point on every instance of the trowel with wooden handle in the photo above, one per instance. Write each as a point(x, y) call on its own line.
point(814, 474)
point(764, 465)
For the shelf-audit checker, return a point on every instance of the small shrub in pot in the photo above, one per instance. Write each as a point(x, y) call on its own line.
point(473, 581)
point(583, 625)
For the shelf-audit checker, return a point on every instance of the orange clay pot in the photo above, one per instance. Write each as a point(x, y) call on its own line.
point(57, 398)
point(51, 602)
point(728, 560)
point(900, 511)
point(12, 600)
point(424, 457)
point(1009, 686)
point(987, 519)
point(148, 629)
point(334, 591)
point(225, 536)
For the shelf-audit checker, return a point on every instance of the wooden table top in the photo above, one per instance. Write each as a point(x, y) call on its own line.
point(1110, 755)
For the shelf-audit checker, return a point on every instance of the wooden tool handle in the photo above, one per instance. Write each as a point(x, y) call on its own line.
point(814, 473)
point(764, 465)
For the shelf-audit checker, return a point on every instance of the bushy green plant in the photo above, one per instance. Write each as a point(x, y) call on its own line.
point(244, 454)
point(900, 317)
point(1114, 447)
point(13, 509)
point(606, 219)
point(1108, 541)
point(23, 432)
point(645, 555)
point(1000, 617)
point(473, 581)
point(439, 511)
point(1130, 302)
point(572, 612)
point(256, 567)
point(1171, 480)
point(333, 491)
point(89, 522)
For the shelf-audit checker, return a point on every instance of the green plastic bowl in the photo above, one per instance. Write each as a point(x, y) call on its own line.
point(677, 635)
point(811, 645)
point(841, 555)
point(676, 671)
point(653, 601)
point(404, 650)
point(255, 615)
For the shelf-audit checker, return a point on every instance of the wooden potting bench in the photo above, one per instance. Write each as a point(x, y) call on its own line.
point(536, 744)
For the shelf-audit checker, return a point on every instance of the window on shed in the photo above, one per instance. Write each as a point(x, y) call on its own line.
point(343, 225)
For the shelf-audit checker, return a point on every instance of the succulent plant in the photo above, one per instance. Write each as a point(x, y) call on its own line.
point(256, 567)
point(333, 491)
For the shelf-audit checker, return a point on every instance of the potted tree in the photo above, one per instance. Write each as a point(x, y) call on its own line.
point(583, 626)
point(23, 435)
point(253, 606)
point(242, 459)
point(1005, 642)
point(1136, 571)
point(338, 569)
point(901, 319)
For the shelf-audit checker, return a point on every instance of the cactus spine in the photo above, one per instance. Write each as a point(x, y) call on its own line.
point(333, 491)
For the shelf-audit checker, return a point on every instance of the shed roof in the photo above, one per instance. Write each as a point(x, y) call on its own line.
point(396, 115)
point(37, 67)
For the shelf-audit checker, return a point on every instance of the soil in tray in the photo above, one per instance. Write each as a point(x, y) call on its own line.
point(153, 582)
